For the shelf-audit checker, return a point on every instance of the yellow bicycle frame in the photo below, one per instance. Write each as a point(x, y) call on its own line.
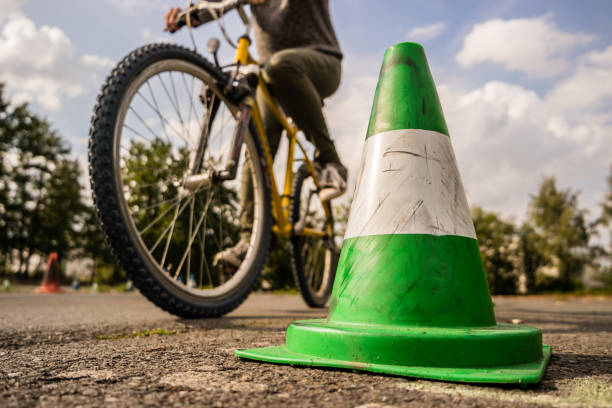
point(280, 203)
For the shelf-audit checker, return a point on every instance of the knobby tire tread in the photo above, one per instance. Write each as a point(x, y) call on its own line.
point(105, 191)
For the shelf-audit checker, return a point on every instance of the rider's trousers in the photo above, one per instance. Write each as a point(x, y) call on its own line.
point(299, 78)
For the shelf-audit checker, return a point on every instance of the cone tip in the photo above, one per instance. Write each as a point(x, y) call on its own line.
point(405, 96)
point(406, 44)
point(394, 53)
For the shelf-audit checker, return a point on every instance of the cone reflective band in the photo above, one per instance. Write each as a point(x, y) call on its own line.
point(410, 296)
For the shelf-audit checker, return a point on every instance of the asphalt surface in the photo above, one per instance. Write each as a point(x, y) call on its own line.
point(83, 349)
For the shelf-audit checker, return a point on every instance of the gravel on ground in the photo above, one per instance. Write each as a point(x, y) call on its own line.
point(117, 349)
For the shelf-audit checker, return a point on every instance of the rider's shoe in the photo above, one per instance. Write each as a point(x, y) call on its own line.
point(332, 181)
point(232, 257)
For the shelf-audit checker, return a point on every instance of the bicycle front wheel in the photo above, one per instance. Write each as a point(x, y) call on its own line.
point(314, 258)
point(160, 120)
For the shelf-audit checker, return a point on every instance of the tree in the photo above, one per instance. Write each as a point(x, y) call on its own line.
point(560, 235)
point(606, 206)
point(5, 136)
point(499, 249)
point(92, 244)
point(604, 258)
point(532, 254)
point(40, 197)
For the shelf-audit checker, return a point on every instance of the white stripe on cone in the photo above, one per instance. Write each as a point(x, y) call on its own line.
point(409, 184)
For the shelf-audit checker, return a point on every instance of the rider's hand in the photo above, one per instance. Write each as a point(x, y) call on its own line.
point(170, 19)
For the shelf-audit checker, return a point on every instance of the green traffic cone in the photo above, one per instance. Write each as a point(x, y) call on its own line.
point(410, 296)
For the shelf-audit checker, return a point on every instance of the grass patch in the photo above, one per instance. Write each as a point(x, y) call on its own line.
point(286, 291)
point(134, 334)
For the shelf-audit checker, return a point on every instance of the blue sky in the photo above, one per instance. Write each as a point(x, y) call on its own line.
point(526, 86)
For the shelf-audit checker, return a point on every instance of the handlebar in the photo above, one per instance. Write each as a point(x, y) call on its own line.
point(205, 11)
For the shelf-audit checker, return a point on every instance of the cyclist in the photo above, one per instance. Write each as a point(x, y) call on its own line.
point(301, 65)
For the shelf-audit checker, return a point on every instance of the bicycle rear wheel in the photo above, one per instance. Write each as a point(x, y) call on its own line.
point(159, 120)
point(314, 259)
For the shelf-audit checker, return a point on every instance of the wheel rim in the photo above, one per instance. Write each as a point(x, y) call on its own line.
point(178, 231)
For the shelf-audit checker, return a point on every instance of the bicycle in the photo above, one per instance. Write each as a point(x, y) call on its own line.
point(166, 170)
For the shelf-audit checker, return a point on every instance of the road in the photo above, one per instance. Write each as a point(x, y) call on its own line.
point(83, 349)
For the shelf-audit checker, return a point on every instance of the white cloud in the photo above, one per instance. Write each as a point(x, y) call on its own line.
point(534, 46)
point(506, 137)
point(40, 64)
point(10, 7)
point(589, 88)
point(425, 33)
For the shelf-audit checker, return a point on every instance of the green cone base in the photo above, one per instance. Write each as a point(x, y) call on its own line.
point(497, 354)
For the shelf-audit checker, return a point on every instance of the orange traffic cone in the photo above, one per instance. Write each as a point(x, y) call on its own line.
point(51, 280)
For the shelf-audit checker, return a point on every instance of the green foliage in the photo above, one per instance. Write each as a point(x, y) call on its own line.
point(278, 273)
point(41, 208)
point(560, 235)
point(499, 249)
point(606, 206)
point(40, 197)
point(533, 257)
point(108, 274)
point(604, 255)
point(91, 244)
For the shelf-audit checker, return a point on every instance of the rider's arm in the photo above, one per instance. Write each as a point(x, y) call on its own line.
point(174, 20)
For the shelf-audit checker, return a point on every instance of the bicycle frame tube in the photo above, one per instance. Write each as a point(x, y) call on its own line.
point(280, 203)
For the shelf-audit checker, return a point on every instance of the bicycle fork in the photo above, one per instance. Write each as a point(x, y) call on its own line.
point(196, 180)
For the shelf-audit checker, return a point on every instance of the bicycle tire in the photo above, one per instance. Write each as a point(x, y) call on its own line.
point(177, 295)
point(313, 281)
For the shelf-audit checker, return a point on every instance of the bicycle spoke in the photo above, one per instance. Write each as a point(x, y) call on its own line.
point(189, 91)
point(172, 224)
point(208, 274)
point(178, 105)
point(142, 186)
point(125, 125)
point(192, 237)
point(160, 203)
point(163, 234)
point(202, 256)
point(159, 217)
point(224, 121)
point(156, 110)
point(191, 204)
point(165, 122)
point(143, 122)
point(175, 109)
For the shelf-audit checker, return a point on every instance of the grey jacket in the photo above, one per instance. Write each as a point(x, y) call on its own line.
point(282, 24)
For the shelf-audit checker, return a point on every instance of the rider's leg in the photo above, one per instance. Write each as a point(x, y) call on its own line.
point(300, 78)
